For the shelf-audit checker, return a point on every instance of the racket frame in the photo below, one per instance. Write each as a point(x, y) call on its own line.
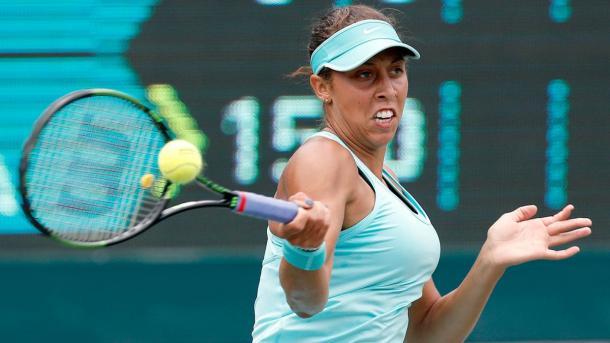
point(30, 144)
point(245, 203)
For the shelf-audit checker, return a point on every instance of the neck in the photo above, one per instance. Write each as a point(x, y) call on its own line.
point(372, 157)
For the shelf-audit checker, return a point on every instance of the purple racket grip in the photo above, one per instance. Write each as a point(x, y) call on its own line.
point(260, 206)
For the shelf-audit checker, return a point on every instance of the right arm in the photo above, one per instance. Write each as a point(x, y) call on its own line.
point(324, 171)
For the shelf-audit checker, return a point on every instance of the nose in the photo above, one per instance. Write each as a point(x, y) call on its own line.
point(385, 87)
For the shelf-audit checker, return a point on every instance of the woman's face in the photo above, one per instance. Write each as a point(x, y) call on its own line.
point(367, 102)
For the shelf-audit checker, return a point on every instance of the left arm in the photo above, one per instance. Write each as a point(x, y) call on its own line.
point(514, 239)
point(452, 317)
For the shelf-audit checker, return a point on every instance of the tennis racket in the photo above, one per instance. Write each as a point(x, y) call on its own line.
point(82, 168)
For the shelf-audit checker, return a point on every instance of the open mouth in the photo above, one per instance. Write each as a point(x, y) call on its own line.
point(384, 116)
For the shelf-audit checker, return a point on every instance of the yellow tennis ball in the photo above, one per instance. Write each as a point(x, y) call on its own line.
point(180, 161)
point(147, 180)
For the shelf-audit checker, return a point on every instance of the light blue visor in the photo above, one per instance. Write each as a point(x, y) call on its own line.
point(355, 44)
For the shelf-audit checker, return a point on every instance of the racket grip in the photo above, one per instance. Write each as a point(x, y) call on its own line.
point(263, 207)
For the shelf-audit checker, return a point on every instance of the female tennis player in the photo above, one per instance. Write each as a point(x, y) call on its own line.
point(356, 264)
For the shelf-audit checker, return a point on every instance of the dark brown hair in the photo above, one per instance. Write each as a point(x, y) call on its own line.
point(334, 20)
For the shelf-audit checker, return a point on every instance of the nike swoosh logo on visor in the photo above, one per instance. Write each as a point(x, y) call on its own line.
point(369, 30)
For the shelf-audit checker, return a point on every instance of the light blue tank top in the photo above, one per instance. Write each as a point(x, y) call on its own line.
point(380, 266)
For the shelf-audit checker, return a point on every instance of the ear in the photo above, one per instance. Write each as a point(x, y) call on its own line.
point(321, 87)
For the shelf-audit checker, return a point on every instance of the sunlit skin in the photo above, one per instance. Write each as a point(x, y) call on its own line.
point(358, 95)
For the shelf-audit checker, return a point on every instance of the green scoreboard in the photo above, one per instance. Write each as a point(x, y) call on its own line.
point(509, 104)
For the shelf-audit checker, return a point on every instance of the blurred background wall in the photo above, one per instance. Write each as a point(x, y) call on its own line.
point(508, 106)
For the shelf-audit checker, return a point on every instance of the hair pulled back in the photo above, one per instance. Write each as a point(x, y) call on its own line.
point(332, 21)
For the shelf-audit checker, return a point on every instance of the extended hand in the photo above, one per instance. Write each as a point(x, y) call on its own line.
point(517, 237)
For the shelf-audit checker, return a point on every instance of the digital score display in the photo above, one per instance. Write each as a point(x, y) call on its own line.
point(508, 105)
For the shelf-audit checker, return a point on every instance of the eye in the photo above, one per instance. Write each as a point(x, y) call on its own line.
point(398, 70)
point(364, 74)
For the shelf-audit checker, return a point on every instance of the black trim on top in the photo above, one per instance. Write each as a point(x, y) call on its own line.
point(393, 188)
point(361, 173)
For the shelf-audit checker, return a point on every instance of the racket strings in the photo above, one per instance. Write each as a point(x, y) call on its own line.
point(64, 159)
point(69, 218)
point(86, 127)
point(86, 170)
point(99, 201)
point(114, 123)
point(90, 147)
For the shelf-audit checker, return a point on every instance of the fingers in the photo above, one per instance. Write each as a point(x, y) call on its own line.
point(555, 255)
point(568, 237)
point(561, 215)
point(312, 227)
point(297, 225)
point(523, 213)
point(567, 225)
point(302, 200)
point(563, 231)
point(308, 229)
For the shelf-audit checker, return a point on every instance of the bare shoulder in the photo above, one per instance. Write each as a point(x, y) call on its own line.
point(325, 152)
point(319, 166)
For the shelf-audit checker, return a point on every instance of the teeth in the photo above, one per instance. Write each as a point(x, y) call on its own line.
point(384, 114)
